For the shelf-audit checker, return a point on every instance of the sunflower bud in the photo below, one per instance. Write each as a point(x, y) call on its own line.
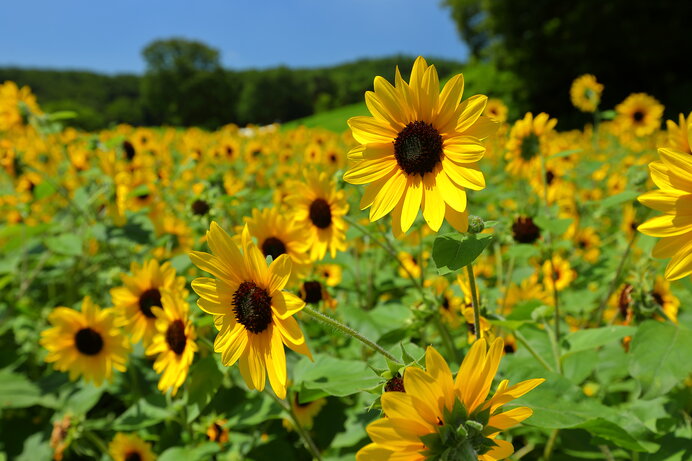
point(476, 224)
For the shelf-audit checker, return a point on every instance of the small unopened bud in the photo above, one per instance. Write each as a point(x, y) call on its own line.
point(476, 224)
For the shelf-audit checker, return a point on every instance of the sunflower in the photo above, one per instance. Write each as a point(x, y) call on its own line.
point(319, 209)
point(419, 149)
point(141, 291)
point(253, 316)
point(672, 174)
point(680, 136)
point(314, 293)
point(587, 244)
point(331, 274)
point(304, 412)
point(467, 311)
point(528, 289)
point(496, 110)
point(528, 143)
point(218, 432)
point(278, 234)
point(174, 341)
point(585, 93)
point(438, 416)
point(562, 276)
point(85, 343)
point(639, 113)
point(664, 298)
point(450, 305)
point(129, 447)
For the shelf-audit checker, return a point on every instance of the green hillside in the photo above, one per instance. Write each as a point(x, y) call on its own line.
point(333, 120)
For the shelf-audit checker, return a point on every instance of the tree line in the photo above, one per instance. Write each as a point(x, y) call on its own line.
point(185, 85)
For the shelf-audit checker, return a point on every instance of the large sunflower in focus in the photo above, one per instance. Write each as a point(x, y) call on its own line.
point(85, 343)
point(140, 293)
point(252, 313)
point(439, 417)
point(419, 149)
point(673, 176)
point(680, 136)
point(639, 113)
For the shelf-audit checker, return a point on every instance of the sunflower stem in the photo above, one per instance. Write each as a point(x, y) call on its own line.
point(350, 332)
point(475, 303)
point(446, 338)
point(520, 337)
point(549, 240)
point(307, 440)
point(548, 452)
point(614, 282)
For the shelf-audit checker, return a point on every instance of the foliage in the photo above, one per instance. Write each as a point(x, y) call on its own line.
point(547, 44)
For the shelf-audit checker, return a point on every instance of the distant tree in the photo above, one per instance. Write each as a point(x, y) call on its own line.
point(630, 45)
point(274, 95)
point(182, 84)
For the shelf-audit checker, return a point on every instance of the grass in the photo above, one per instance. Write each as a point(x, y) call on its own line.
point(333, 120)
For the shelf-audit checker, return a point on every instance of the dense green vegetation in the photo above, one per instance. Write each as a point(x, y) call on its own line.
point(630, 45)
point(185, 85)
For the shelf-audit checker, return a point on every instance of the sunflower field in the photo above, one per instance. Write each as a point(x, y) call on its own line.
point(432, 282)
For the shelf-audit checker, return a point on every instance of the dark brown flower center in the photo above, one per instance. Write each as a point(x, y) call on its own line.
point(129, 150)
point(549, 177)
point(530, 146)
point(418, 148)
point(638, 116)
point(525, 231)
point(88, 341)
point(509, 348)
point(149, 299)
point(200, 207)
point(273, 247)
point(252, 307)
point(175, 336)
point(312, 292)
point(625, 299)
point(658, 297)
point(396, 384)
point(320, 213)
point(445, 303)
point(133, 456)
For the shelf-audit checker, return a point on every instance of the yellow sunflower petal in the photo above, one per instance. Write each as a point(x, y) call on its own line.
point(666, 226)
point(433, 204)
point(412, 201)
point(369, 129)
point(370, 170)
point(388, 196)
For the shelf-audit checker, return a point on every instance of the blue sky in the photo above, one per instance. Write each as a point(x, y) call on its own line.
point(108, 36)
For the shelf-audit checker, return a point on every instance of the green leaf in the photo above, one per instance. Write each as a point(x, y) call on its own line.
point(566, 153)
point(610, 431)
point(659, 356)
point(16, 391)
point(552, 225)
point(81, 401)
point(144, 413)
point(334, 376)
point(43, 190)
point(204, 379)
point(453, 251)
point(523, 251)
point(592, 338)
point(200, 453)
point(608, 114)
point(617, 199)
point(65, 244)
